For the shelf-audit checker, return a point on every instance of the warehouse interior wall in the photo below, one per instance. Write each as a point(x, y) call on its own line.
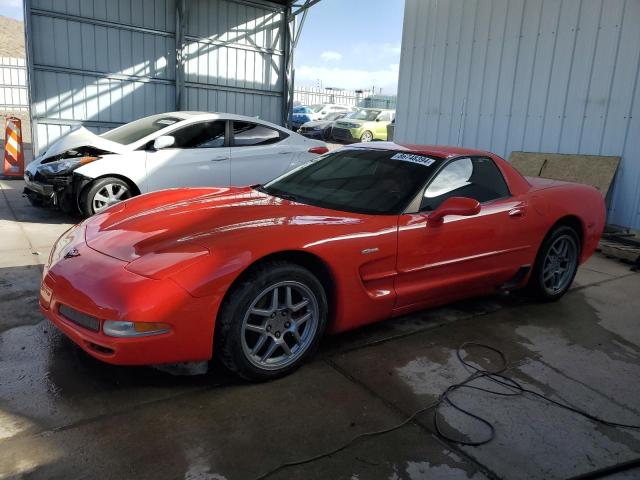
point(102, 63)
point(527, 75)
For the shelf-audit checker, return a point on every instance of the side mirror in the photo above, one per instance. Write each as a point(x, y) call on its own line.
point(455, 206)
point(164, 141)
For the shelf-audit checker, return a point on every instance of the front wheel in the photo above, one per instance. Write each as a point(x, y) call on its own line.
point(271, 322)
point(366, 137)
point(556, 264)
point(103, 193)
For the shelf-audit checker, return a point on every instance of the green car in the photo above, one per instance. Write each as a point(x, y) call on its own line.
point(365, 125)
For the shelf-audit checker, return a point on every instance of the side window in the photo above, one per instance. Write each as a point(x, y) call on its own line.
point(201, 135)
point(477, 178)
point(385, 117)
point(247, 134)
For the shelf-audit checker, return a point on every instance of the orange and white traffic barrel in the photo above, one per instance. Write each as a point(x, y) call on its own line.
point(13, 151)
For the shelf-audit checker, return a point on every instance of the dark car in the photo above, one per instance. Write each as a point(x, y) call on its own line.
point(321, 129)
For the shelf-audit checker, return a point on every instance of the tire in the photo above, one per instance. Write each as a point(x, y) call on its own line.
point(556, 264)
point(103, 193)
point(244, 339)
point(366, 136)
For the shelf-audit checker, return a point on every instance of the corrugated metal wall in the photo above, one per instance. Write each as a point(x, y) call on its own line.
point(234, 58)
point(534, 75)
point(101, 63)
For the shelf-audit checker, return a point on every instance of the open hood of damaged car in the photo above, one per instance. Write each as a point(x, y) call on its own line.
point(81, 137)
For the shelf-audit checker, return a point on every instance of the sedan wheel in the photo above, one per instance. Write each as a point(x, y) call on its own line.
point(108, 195)
point(280, 325)
point(103, 193)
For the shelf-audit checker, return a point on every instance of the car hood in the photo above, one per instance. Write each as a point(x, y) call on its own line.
point(348, 121)
point(317, 123)
point(81, 137)
point(189, 220)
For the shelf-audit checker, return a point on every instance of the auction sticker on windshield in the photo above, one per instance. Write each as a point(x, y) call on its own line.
point(413, 158)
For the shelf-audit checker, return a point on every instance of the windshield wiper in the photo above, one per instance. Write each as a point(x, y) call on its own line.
point(286, 196)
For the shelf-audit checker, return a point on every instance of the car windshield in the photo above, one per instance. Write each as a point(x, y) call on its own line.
point(369, 181)
point(134, 131)
point(334, 116)
point(365, 114)
point(316, 108)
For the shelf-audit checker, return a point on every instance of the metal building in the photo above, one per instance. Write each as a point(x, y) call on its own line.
point(102, 63)
point(533, 75)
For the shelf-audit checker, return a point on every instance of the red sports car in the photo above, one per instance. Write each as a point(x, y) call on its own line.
point(256, 275)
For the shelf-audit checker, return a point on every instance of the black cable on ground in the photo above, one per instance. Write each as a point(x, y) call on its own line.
point(514, 388)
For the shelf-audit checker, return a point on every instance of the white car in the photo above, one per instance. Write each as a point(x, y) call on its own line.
point(88, 172)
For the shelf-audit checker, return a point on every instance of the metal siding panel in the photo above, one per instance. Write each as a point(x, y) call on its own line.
point(539, 87)
point(491, 75)
point(598, 99)
point(524, 74)
point(559, 79)
point(571, 129)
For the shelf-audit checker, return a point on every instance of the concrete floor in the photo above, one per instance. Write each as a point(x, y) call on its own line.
point(65, 415)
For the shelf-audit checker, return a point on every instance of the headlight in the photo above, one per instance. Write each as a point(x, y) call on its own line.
point(64, 165)
point(115, 328)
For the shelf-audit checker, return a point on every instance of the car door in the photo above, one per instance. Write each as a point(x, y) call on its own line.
point(461, 255)
point(199, 157)
point(381, 125)
point(258, 153)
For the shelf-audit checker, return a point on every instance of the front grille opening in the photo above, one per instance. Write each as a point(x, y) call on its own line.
point(100, 348)
point(79, 318)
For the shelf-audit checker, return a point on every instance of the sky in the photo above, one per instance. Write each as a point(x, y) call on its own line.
point(352, 44)
point(11, 8)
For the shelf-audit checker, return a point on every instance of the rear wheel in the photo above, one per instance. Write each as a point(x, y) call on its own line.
point(366, 136)
point(103, 193)
point(271, 322)
point(556, 264)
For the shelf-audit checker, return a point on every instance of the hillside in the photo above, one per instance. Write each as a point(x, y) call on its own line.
point(11, 38)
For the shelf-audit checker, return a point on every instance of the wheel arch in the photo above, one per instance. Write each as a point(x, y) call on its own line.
point(312, 262)
point(84, 184)
point(124, 178)
point(572, 221)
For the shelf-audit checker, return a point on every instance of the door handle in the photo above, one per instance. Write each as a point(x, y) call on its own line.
point(516, 212)
point(285, 152)
point(219, 159)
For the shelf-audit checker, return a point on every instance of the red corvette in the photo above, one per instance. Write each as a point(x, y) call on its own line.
point(256, 275)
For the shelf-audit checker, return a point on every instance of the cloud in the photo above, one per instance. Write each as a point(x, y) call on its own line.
point(330, 55)
point(350, 78)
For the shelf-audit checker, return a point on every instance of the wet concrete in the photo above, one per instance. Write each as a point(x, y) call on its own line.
point(65, 415)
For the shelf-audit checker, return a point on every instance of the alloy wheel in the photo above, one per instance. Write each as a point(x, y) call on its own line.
point(108, 195)
point(366, 137)
point(559, 264)
point(280, 325)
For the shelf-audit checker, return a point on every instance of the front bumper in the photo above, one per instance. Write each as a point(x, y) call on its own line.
point(346, 134)
point(40, 188)
point(319, 134)
point(98, 286)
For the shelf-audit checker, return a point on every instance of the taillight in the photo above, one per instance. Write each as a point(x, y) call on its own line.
point(318, 150)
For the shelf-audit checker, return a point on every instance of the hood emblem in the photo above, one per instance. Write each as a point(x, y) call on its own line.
point(72, 253)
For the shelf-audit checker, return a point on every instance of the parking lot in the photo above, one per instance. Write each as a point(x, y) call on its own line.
point(63, 414)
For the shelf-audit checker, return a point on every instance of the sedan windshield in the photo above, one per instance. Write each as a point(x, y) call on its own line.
point(369, 115)
point(134, 131)
point(356, 180)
